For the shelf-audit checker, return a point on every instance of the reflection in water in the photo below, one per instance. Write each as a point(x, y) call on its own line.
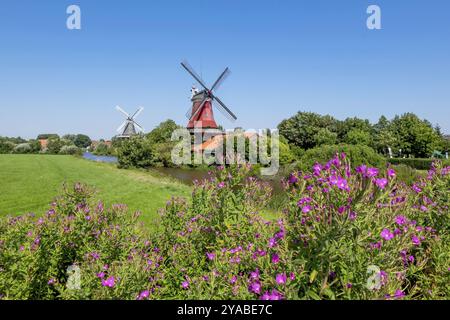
point(93, 157)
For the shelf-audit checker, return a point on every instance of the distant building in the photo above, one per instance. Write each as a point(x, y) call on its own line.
point(44, 143)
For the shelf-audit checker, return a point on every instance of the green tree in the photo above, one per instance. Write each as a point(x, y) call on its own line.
point(358, 136)
point(163, 132)
point(350, 124)
point(325, 137)
point(136, 151)
point(82, 141)
point(415, 136)
point(301, 129)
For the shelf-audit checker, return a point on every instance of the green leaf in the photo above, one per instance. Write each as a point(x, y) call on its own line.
point(312, 276)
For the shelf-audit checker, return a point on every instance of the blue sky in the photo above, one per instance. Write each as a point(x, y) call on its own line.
point(285, 56)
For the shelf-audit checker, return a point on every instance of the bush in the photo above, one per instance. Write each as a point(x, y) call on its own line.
point(135, 152)
point(102, 149)
point(22, 148)
point(357, 155)
point(6, 147)
point(415, 163)
point(70, 150)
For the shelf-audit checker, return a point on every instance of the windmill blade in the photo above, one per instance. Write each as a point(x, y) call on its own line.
point(119, 129)
point(121, 110)
point(220, 80)
point(224, 112)
point(191, 71)
point(137, 112)
point(138, 125)
point(200, 107)
point(230, 114)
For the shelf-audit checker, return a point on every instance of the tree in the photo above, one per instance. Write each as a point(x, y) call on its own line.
point(70, 137)
point(82, 141)
point(325, 137)
point(415, 136)
point(301, 129)
point(163, 132)
point(45, 136)
point(349, 124)
point(358, 136)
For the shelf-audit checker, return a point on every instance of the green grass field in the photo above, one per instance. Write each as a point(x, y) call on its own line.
point(28, 183)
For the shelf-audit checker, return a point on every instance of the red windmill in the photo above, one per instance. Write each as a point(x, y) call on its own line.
point(201, 114)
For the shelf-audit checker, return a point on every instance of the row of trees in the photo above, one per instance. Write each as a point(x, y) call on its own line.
point(67, 144)
point(405, 135)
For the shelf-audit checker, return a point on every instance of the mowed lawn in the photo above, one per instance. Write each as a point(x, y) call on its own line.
point(28, 183)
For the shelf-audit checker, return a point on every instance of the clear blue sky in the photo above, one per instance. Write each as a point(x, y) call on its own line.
point(285, 56)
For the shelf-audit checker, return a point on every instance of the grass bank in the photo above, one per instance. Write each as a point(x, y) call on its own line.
point(28, 183)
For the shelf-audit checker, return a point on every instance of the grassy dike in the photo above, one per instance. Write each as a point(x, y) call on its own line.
point(28, 183)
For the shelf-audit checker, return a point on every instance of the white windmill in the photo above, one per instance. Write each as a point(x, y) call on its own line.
point(129, 127)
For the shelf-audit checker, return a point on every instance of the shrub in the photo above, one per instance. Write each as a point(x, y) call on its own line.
point(341, 222)
point(22, 148)
point(6, 147)
point(136, 152)
point(415, 163)
point(407, 174)
point(357, 155)
point(102, 149)
point(70, 150)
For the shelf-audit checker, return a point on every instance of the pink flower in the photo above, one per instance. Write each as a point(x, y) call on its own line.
point(211, 255)
point(361, 169)
point(272, 242)
point(306, 209)
point(110, 282)
point(144, 295)
point(221, 185)
point(381, 183)
point(281, 278)
point(275, 258)
point(391, 173)
point(400, 220)
point(185, 284)
point(255, 287)
point(386, 234)
point(415, 240)
point(342, 184)
point(292, 179)
point(254, 274)
point(372, 172)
